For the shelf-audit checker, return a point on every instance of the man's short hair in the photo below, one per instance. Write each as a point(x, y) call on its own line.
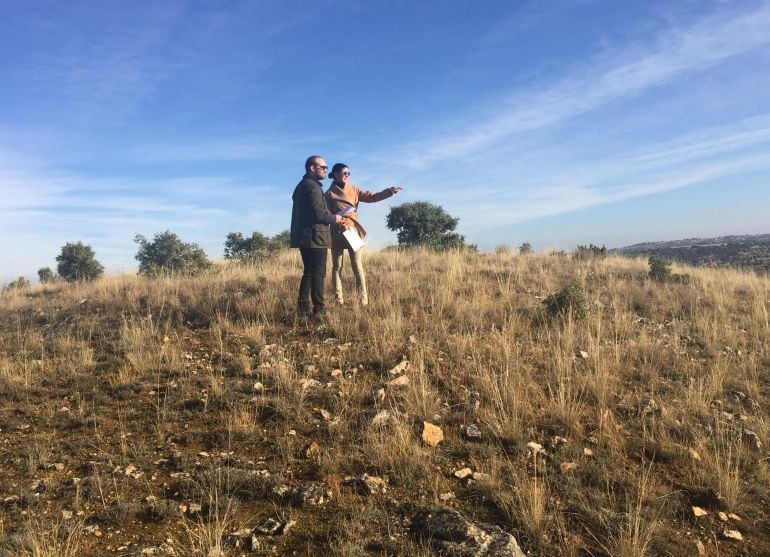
point(311, 160)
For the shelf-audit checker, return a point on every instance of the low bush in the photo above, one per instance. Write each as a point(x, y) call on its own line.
point(569, 301)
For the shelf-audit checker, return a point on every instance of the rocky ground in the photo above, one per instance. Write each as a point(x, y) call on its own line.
point(199, 417)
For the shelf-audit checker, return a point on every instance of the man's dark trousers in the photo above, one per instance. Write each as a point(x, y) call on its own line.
point(311, 286)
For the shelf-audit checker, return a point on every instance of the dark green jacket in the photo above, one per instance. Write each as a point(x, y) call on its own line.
point(310, 218)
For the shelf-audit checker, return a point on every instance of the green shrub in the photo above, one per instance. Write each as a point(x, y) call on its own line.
point(660, 268)
point(17, 284)
point(45, 275)
point(570, 300)
point(256, 247)
point(168, 254)
point(76, 262)
point(525, 248)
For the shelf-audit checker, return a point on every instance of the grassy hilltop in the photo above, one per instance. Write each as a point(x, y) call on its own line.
point(178, 416)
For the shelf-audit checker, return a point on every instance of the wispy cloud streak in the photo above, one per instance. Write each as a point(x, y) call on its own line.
point(675, 53)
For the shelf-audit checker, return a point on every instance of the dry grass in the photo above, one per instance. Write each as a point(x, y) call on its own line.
point(131, 371)
point(40, 538)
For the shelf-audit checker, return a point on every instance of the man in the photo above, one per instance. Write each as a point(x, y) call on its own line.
point(310, 220)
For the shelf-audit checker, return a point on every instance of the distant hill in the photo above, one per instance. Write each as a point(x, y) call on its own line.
point(745, 251)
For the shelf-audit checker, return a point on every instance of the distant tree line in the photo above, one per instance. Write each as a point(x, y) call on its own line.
point(417, 224)
point(750, 255)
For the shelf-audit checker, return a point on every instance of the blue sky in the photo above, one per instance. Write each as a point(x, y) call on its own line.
point(556, 123)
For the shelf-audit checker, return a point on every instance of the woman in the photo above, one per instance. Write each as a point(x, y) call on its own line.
point(342, 197)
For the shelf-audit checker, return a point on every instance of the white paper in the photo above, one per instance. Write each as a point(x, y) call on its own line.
point(353, 239)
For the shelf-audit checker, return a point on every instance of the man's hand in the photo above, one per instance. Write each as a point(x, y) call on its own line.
point(393, 190)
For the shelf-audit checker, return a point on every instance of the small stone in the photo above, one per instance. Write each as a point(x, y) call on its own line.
point(733, 516)
point(723, 516)
point(306, 384)
point(67, 515)
point(379, 395)
point(400, 368)
point(203, 454)
point(463, 473)
point(733, 535)
point(478, 476)
point(431, 434)
point(312, 495)
point(535, 448)
point(369, 485)
point(752, 440)
point(381, 418)
point(473, 402)
point(698, 512)
point(694, 454)
point(567, 467)
point(259, 387)
point(133, 471)
point(400, 381)
point(588, 453)
point(583, 354)
point(336, 373)
point(446, 496)
point(281, 491)
point(449, 533)
point(309, 369)
point(648, 407)
point(324, 414)
point(288, 525)
point(701, 548)
point(270, 527)
point(313, 450)
point(472, 432)
point(557, 441)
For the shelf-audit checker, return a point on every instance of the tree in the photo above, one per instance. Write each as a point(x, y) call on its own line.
point(168, 254)
point(525, 248)
point(45, 275)
point(246, 249)
point(256, 247)
point(76, 262)
point(282, 240)
point(424, 224)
